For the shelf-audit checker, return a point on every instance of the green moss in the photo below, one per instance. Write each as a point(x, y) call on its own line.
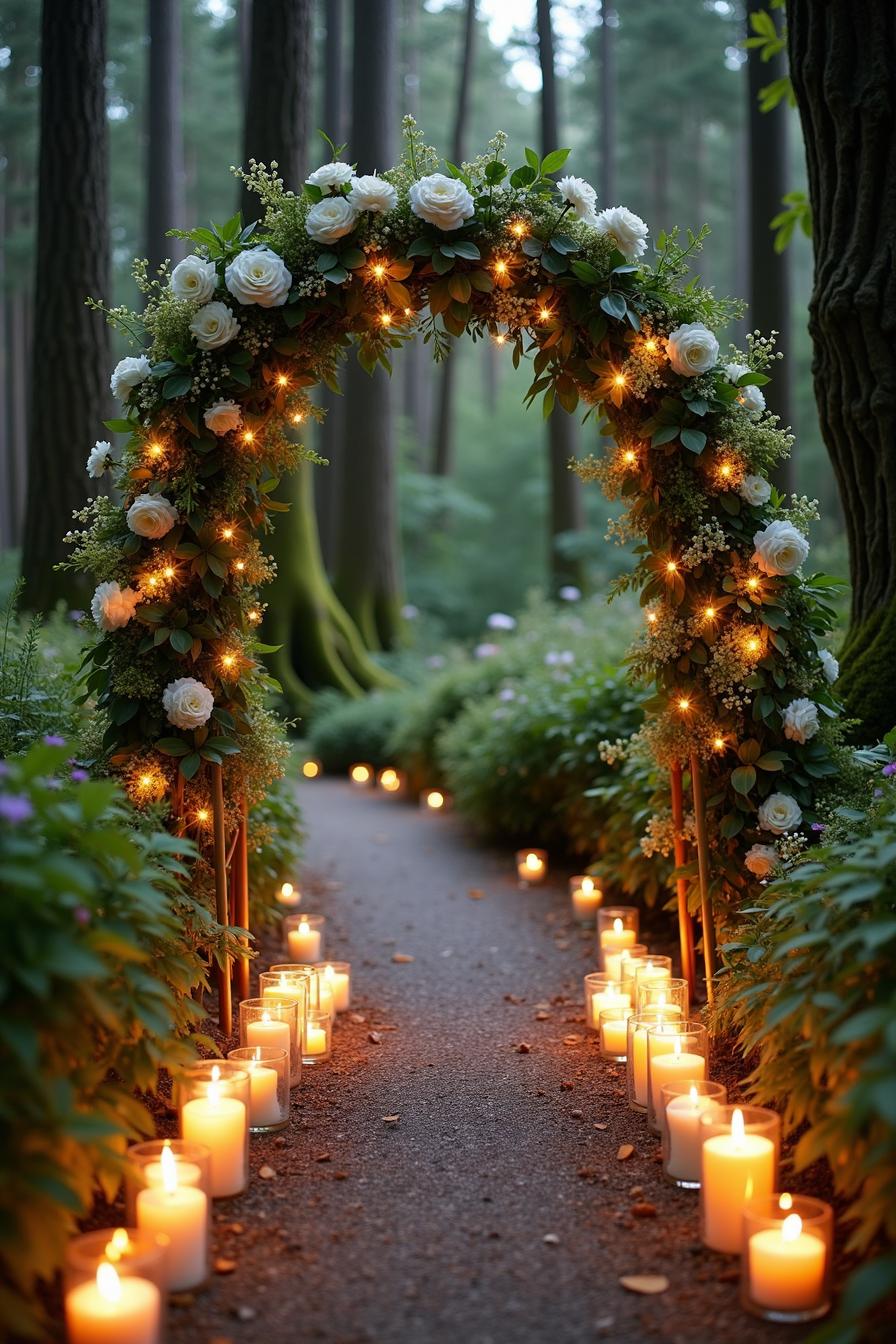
point(866, 676)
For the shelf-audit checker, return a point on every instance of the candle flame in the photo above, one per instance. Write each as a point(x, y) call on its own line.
point(286, 890)
point(737, 1125)
point(785, 1202)
point(214, 1087)
point(107, 1282)
point(533, 862)
point(328, 972)
point(118, 1245)
point(694, 1094)
point(435, 799)
point(791, 1227)
point(265, 1017)
point(617, 925)
point(587, 886)
point(676, 1046)
point(168, 1163)
point(304, 926)
point(648, 965)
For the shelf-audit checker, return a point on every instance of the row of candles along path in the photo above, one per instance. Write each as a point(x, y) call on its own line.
point(390, 780)
point(117, 1280)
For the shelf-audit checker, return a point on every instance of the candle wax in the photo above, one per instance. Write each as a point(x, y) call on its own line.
point(786, 1275)
point(733, 1170)
point(667, 1067)
point(607, 998)
point(683, 1138)
point(264, 1108)
point(584, 903)
point(220, 1123)
point(274, 1032)
point(340, 984)
point(613, 1037)
point(304, 947)
point(182, 1216)
point(315, 1040)
point(134, 1316)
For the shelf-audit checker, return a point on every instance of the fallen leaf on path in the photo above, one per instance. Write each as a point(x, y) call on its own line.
point(542, 1017)
point(523, 1048)
point(512, 998)
point(551, 1239)
point(340, 1175)
point(475, 894)
point(624, 1151)
point(573, 1039)
point(391, 1119)
point(374, 1037)
point(324, 1157)
point(358, 1018)
point(643, 1210)
point(223, 1266)
point(402, 957)
point(267, 1173)
point(600, 1126)
point(644, 1283)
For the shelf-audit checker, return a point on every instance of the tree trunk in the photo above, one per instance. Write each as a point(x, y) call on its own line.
point(368, 565)
point(277, 105)
point(165, 188)
point(769, 270)
point(443, 445)
point(607, 95)
point(70, 363)
point(414, 366)
point(566, 512)
point(842, 59)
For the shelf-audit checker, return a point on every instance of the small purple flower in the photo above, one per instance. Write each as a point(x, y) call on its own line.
point(78, 775)
point(75, 616)
point(14, 808)
point(889, 770)
point(878, 793)
point(4, 769)
point(53, 740)
point(818, 827)
point(82, 915)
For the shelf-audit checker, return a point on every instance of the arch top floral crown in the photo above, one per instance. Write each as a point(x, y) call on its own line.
point(233, 339)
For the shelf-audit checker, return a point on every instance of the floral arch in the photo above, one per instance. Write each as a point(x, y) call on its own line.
point(234, 339)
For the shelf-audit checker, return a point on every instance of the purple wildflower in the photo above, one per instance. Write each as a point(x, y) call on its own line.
point(889, 770)
point(53, 740)
point(82, 915)
point(15, 808)
point(818, 827)
point(78, 775)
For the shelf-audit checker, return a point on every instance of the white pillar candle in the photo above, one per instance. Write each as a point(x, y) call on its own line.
point(221, 1124)
point(786, 1267)
point(289, 895)
point(304, 943)
point(735, 1167)
point(608, 998)
point(178, 1210)
point(647, 970)
point(613, 1036)
point(339, 985)
point(266, 1030)
point(639, 1059)
point(586, 897)
point(683, 1136)
point(315, 1039)
point(671, 1065)
point(264, 1108)
point(616, 939)
point(283, 990)
point(113, 1310)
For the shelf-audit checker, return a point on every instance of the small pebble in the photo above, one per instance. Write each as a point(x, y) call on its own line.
point(524, 1048)
point(224, 1266)
point(551, 1239)
point(267, 1173)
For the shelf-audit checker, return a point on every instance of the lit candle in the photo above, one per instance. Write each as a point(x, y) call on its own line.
point(612, 997)
point(266, 1030)
point(289, 895)
point(617, 938)
point(221, 1124)
point(176, 1208)
point(621, 965)
point(786, 1266)
point(360, 775)
point(264, 1107)
point(586, 896)
point(434, 799)
point(531, 865)
point(283, 989)
point(735, 1167)
point(651, 970)
point(113, 1310)
point(682, 1119)
point(339, 985)
point(389, 780)
point(315, 1039)
point(304, 942)
point(613, 1035)
point(670, 1064)
point(667, 1009)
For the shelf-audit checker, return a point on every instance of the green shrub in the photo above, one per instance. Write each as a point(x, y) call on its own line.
point(625, 799)
point(428, 711)
point(38, 664)
point(101, 947)
point(344, 731)
point(275, 848)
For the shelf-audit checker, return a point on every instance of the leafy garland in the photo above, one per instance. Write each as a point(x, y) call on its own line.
point(239, 332)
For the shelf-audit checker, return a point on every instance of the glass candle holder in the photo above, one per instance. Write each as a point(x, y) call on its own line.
point(302, 979)
point(621, 964)
point(617, 929)
point(435, 800)
point(739, 1162)
point(361, 775)
point(602, 991)
point(613, 1034)
point(168, 1195)
point(114, 1286)
point(391, 780)
point(317, 1039)
point(270, 1075)
point(531, 866)
point(636, 1028)
point(303, 938)
point(335, 983)
point(273, 1021)
point(677, 1051)
point(213, 1104)
point(652, 970)
point(289, 895)
point(683, 1105)
point(585, 896)
point(672, 995)
point(787, 1253)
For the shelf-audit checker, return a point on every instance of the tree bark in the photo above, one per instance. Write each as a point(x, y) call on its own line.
point(166, 179)
point(769, 180)
point(842, 58)
point(414, 365)
point(368, 569)
point(566, 512)
point(607, 95)
point(277, 105)
point(70, 364)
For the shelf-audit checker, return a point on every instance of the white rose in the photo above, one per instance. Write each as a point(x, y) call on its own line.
point(194, 279)
point(751, 398)
point(627, 230)
point(329, 175)
point(373, 194)
point(259, 276)
point(761, 860)
point(127, 374)
point(223, 416)
point(580, 195)
point(829, 664)
point(801, 720)
point(187, 702)
point(151, 516)
point(692, 349)
point(331, 219)
point(214, 325)
point(780, 548)
point(98, 458)
point(779, 813)
point(755, 490)
point(112, 606)
point(440, 200)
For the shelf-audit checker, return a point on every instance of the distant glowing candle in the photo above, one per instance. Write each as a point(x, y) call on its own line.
point(671, 1065)
point(113, 1310)
point(586, 896)
point(339, 984)
point(266, 1030)
point(613, 996)
point(390, 780)
point(264, 1108)
point(360, 775)
point(178, 1209)
point(531, 865)
point(289, 895)
point(304, 942)
point(434, 799)
point(617, 938)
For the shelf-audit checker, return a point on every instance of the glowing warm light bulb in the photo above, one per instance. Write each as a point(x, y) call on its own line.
point(202, 815)
point(588, 885)
point(500, 338)
point(282, 380)
point(684, 704)
point(379, 270)
point(435, 799)
point(108, 1283)
point(297, 417)
point(240, 565)
point(386, 319)
point(785, 1202)
point(226, 533)
point(254, 615)
point(651, 618)
point(311, 769)
point(501, 267)
point(752, 584)
point(168, 1163)
point(709, 612)
point(753, 644)
point(360, 774)
point(650, 346)
point(155, 450)
point(619, 380)
point(671, 567)
point(737, 1127)
point(518, 229)
point(545, 314)
point(718, 743)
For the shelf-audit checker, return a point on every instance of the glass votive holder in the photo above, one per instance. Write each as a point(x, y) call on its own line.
point(612, 1026)
point(636, 1028)
point(672, 995)
point(335, 983)
point(273, 1021)
point(676, 1051)
point(302, 979)
point(531, 866)
point(391, 780)
point(621, 964)
point(585, 896)
point(303, 938)
point(168, 1195)
point(602, 991)
point(738, 1162)
point(289, 895)
point(617, 929)
point(682, 1106)
point(435, 800)
point(317, 1037)
point(361, 775)
point(652, 969)
point(270, 1076)
point(213, 1104)
point(786, 1258)
point(114, 1286)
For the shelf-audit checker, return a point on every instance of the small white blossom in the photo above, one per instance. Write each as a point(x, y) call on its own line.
point(499, 620)
point(373, 194)
point(801, 720)
point(127, 374)
point(755, 490)
point(750, 397)
point(440, 200)
point(569, 593)
point(578, 193)
point(692, 349)
point(627, 230)
point(187, 702)
point(113, 606)
point(829, 664)
point(330, 175)
point(98, 458)
point(214, 326)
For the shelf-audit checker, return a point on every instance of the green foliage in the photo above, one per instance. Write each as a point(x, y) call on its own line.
point(344, 731)
point(275, 848)
point(37, 667)
point(101, 947)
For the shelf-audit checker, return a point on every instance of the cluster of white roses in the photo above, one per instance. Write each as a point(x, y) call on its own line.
point(625, 229)
point(336, 214)
point(256, 276)
point(693, 349)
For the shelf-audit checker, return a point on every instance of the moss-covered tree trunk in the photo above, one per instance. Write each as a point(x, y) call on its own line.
point(842, 58)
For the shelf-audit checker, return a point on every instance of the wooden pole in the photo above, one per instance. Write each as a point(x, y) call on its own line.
point(685, 923)
point(240, 887)
point(706, 915)
point(225, 1012)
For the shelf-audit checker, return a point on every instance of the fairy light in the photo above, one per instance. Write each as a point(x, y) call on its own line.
point(709, 613)
point(311, 769)
point(386, 319)
point(500, 338)
point(240, 565)
point(226, 533)
point(254, 615)
point(619, 380)
point(518, 229)
point(168, 572)
point(671, 567)
point(249, 436)
point(753, 644)
point(726, 471)
point(379, 270)
point(147, 786)
point(409, 312)
point(651, 618)
point(684, 704)
point(629, 457)
point(752, 584)
point(650, 346)
point(228, 661)
point(545, 314)
point(202, 816)
point(297, 417)
point(155, 449)
point(719, 743)
point(500, 267)
point(282, 380)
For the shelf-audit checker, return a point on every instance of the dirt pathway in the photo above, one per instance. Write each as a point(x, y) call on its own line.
point(494, 1210)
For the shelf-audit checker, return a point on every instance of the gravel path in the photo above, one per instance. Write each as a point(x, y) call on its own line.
point(494, 1210)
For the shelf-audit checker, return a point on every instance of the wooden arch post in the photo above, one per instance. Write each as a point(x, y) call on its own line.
point(685, 923)
point(707, 918)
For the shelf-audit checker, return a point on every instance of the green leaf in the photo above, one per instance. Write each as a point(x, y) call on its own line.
point(614, 305)
point(181, 641)
point(523, 177)
point(190, 764)
point(694, 440)
point(464, 248)
point(176, 386)
point(743, 778)
point(421, 247)
point(171, 746)
point(553, 162)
